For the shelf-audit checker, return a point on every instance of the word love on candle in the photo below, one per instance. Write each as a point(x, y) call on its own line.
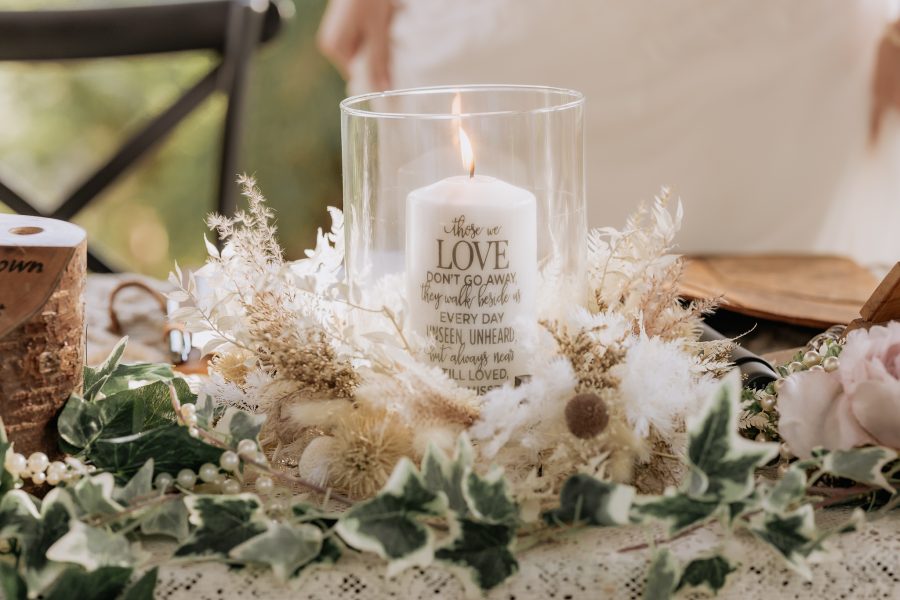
point(471, 274)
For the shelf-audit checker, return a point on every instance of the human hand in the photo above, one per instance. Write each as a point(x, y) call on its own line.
point(886, 80)
point(348, 26)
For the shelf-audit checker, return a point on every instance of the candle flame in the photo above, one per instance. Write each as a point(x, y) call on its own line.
point(465, 145)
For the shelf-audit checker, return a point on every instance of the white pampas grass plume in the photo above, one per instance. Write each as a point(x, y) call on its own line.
point(315, 460)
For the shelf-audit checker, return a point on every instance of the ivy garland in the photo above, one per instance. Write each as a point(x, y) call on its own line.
point(84, 538)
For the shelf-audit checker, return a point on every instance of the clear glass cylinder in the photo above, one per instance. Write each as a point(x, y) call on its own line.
point(468, 200)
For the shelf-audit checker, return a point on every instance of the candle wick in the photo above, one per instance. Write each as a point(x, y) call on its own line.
point(472, 169)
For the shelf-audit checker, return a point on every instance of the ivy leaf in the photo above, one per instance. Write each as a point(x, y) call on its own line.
point(591, 501)
point(863, 465)
point(170, 446)
point(442, 474)
point(331, 547)
point(169, 518)
point(140, 409)
point(95, 378)
point(94, 495)
point(388, 524)
point(143, 588)
point(789, 490)
point(793, 535)
point(285, 548)
point(724, 461)
point(223, 522)
point(12, 586)
point(79, 424)
point(483, 552)
point(678, 510)
point(92, 548)
point(707, 573)
point(7, 481)
point(240, 425)
point(106, 583)
point(139, 486)
point(489, 498)
point(126, 376)
point(36, 531)
point(662, 577)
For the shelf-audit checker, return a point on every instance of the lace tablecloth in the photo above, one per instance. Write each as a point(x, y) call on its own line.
point(864, 564)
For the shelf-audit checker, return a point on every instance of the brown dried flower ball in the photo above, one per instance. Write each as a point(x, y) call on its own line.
point(586, 415)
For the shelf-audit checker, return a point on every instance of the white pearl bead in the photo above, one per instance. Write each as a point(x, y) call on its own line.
point(187, 479)
point(56, 468)
point(188, 410)
point(190, 420)
point(38, 462)
point(796, 366)
point(811, 358)
point(229, 461)
point(264, 484)
point(38, 478)
point(246, 447)
point(778, 384)
point(163, 481)
point(220, 478)
point(816, 368)
point(15, 463)
point(193, 432)
point(53, 478)
point(831, 364)
point(231, 487)
point(767, 403)
point(208, 472)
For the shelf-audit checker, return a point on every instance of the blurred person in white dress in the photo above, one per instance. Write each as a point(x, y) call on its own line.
point(775, 121)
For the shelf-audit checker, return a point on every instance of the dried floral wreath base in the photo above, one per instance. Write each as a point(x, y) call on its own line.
point(347, 394)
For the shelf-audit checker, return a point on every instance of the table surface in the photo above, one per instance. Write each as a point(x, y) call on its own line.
point(591, 564)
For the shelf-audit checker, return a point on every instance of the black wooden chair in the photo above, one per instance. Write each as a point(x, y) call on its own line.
point(232, 28)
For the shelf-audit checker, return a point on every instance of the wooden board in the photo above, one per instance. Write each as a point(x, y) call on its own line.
point(813, 291)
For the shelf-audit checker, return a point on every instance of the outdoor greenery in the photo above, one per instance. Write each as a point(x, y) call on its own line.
point(60, 120)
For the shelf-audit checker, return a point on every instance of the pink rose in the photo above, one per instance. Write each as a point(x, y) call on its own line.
point(855, 405)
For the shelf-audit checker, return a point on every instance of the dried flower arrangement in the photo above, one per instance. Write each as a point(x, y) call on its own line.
point(347, 393)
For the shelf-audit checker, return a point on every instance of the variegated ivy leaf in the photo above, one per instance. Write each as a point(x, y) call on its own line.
point(443, 474)
point(793, 535)
point(662, 577)
point(708, 574)
point(169, 518)
point(389, 524)
point(94, 495)
point(12, 586)
point(92, 548)
point(75, 582)
point(223, 522)
point(240, 425)
point(787, 491)
point(724, 462)
point(863, 465)
point(143, 588)
point(331, 547)
point(96, 377)
point(284, 547)
point(677, 509)
point(483, 552)
point(35, 530)
point(139, 486)
point(584, 499)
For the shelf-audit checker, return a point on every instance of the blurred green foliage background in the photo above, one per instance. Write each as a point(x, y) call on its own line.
point(60, 120)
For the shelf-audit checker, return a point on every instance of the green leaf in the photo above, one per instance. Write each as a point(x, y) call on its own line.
point(7, 481)
point(863, 465)
point(140, 409)
point(169, 518)
point(12, 586)
point(223, 522)
point(92, 548)
point(36, 531)
point(442, 474)
point(489, 498)
point(126, 376)
point(389, 525)
point(143, 588)
point(724, 461)
point(678, 510)
point(662, 577)
point(95, 378)
point(240, 425)
point(591, 501)
point(706, 573)
point(79, 424)
point(139, 486)
point(106, 583)
point(94, 495)
point(793, 535)
point(170, 446)
point(331, 547)
point(483, 552)
point(788, 491)
point(283, 547)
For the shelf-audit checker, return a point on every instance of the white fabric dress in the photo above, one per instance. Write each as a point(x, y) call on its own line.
point(754, 111)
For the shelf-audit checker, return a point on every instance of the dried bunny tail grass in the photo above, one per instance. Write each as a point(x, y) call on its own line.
point(591, 361)
point(368, 442)
point(428, 398)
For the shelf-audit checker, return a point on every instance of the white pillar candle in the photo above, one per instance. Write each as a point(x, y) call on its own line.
point(471, 272)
